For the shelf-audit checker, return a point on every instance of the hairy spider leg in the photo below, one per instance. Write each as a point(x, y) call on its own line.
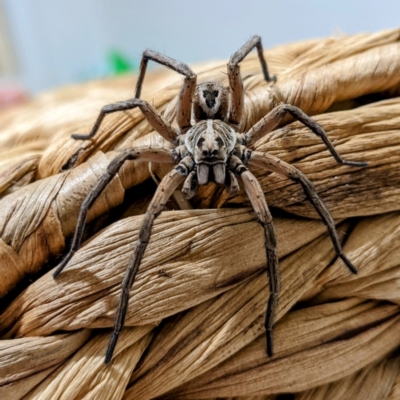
point(184, 103)
point(158, 154)
point(272, 120)
point(264, 217)
point(274, 164)
point(155, 119)
point(167, 186)
point(184, 108)
point(235, 79)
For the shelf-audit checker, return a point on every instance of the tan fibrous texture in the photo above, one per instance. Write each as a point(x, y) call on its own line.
point(195, 322)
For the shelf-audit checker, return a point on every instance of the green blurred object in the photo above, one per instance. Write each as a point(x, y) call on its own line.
point(119, 63)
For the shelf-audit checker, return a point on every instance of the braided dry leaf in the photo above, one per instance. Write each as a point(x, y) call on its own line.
point(374, 245)
point(26, 362)
point(305, 371)
point(375, 382)
point(53, 116)
point(328, 50)
point(42, 120)
point(190, 345)
point(16, 173)
point(395, 393)
point(367, 133)
point(35, 220)
point(205, 257)
point(208, 279)
point(84, 376)
point(347, 191)
point(17, 390)
point(318, 89)
point(300, 330)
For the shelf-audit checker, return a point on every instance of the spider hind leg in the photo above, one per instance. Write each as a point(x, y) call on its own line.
point(164, 191)
point(274, 164)
point(264, 217)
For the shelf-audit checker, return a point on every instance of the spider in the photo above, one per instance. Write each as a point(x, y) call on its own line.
point(212, 149)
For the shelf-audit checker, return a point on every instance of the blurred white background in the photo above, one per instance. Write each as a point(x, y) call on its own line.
point(47, 43)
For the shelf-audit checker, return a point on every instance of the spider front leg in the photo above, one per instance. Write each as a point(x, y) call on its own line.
point(153, 155)
point(274, 164)
point(167, 186)
point(188, 87)
point(264, 217)
point(274, 117)
point(155, 119)
point(235, 79)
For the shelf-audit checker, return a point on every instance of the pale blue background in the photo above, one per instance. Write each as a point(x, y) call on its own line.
point(61, 41)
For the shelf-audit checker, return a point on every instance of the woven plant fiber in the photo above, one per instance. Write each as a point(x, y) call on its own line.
point(194, 327)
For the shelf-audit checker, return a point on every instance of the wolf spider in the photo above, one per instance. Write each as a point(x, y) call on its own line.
point(213, 149)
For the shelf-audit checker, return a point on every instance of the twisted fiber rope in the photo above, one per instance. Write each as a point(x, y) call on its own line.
point(194, 328)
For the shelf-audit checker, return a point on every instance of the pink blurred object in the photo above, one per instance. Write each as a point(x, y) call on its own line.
point(11, 94)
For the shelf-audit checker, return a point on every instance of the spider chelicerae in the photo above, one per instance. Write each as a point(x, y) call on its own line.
point(212, 149)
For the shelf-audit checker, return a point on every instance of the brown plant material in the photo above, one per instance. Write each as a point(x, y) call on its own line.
point(299, 371)
point(93, 278)
point(37, 358)
point(194, 328)
point(35, 220)
point(375, 382)
point(395, 392)
point(85, 376)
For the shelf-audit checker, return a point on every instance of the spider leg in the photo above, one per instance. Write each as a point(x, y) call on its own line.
point(155, 119)
point(154, 154)
point(273, 118)
point(264, 217)
point(190, 186)
point(235, 80)
point(187, 91)
point(274, 164)
point(167, 186)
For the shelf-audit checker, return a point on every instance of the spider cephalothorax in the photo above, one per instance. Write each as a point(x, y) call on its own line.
point(210, 101)
point(210, 143)
point(211, 150)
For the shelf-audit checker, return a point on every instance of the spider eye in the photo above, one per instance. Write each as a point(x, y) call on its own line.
point(219, 141)
point(200, 142)
point(205, 93)
point(215, 93)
